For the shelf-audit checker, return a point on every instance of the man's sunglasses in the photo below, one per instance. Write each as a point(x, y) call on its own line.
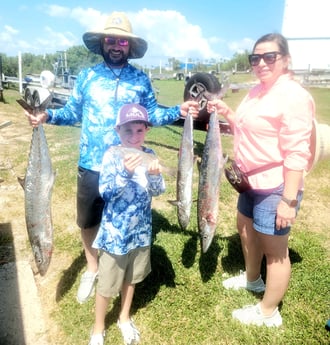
point(111, 41)
point(269, 58)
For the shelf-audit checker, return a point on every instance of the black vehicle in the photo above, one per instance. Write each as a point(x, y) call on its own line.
point(203, 87)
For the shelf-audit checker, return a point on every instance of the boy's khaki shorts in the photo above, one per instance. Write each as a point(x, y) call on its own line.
point(114, 270)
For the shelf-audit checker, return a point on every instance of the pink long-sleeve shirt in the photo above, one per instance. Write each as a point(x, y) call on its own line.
point(274, 124)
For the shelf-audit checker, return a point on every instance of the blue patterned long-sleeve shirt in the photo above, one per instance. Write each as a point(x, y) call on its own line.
point(95, 101)
point(126, 220)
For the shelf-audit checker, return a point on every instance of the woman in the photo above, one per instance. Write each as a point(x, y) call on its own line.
point(273, 124)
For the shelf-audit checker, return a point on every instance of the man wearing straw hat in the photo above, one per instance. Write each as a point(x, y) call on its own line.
point(100, 91)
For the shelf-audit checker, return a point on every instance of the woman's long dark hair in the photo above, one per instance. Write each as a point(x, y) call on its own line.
point(279, 39)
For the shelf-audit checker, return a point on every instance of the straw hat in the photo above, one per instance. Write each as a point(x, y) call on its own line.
point(116, 25)
point(320, 144)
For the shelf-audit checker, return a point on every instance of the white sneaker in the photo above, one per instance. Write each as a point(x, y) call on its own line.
point(252, 315)
point(129, 332)
point(97, 339)
point(86, 287)
point(240, 282)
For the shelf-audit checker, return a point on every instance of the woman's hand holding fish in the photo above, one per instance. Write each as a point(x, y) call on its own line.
point(219, 106)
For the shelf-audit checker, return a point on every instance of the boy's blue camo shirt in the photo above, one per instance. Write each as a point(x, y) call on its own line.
point(126, 220)
point(95, 102)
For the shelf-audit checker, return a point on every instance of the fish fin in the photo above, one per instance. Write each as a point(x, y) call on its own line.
point(169, 171)
point(196, 159)
point(21, 181)
point(199, 162)
point(173, 202)
point(25, 105)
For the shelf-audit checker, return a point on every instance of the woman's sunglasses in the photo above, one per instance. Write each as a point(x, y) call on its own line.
point(269, 58)
point(111, 41)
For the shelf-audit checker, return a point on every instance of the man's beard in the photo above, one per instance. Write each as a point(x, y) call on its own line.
point(119, 60)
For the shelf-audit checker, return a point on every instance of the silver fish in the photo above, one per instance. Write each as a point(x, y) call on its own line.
point(211, 169)
point(185, 174)
point(38, 185)
point(147, 158)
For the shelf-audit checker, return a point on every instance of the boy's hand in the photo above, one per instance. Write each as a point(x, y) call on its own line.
point(131, 161)
point(154, 168)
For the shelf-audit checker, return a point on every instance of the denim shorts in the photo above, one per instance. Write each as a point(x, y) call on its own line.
point(261, 206)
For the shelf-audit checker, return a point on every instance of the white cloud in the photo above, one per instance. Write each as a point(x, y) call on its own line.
point(57, 11)
point(241, 46)
point(62, 39)
point(88, 18)
point(23, 46)
point(169, 34)
point(10, 30)
point(7, 38)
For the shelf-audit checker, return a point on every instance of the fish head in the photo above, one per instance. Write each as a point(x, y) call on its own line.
point(206, 242)
point(42, 256)
point(208, 230)
point(184, 219)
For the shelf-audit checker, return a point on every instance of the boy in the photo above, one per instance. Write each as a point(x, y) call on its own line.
point(124, 237)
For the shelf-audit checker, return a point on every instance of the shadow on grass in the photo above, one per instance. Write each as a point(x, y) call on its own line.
point(294, 256)
point(160, 223)
point(234, 261)
point(69, 276)
point(190, 251)
point(162, 274)
point(207, 262)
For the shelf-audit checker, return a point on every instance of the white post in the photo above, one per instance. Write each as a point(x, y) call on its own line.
point(20, 73)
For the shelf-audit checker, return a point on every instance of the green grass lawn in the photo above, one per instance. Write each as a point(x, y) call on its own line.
point(182, 301)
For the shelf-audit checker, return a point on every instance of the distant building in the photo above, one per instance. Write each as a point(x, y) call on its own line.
point(305, 25)
point(189, 66)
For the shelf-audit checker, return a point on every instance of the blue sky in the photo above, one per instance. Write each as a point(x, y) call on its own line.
point(181, 29)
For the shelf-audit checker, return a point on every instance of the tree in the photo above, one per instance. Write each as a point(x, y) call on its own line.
point(174, 63)
point(80, 57)
point(239, 63)
point(9, 65)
